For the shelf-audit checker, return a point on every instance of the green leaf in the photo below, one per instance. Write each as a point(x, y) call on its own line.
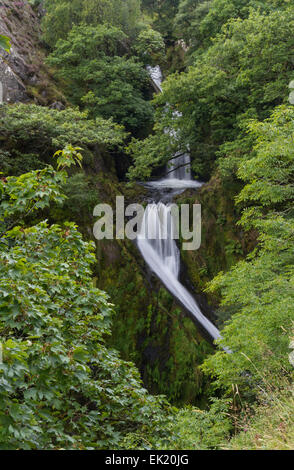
point(5, 43)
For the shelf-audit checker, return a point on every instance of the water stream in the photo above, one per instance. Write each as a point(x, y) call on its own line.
point(156, 237)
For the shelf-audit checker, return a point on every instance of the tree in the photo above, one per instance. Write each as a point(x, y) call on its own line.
point(244, 74)
point(62, 16)
point(198, 22)
point(150, 47)
point(188, 21)
point(97, 74)
point(30, 134)
point(162, 14)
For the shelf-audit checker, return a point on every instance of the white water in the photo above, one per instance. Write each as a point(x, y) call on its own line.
point(155, 239)
point(174, 184)
point(156, 76)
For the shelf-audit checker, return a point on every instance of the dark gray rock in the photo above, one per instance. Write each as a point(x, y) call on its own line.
point(57, 105)
point(13, 89)
point(23, 75)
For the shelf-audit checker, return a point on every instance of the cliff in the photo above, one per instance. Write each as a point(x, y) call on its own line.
point(23, 75)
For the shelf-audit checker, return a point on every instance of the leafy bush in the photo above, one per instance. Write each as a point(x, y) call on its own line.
point(194, 429)
point(60, 386)
point(30, 134)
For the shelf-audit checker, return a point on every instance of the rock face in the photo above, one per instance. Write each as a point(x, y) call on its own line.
point(23, 75)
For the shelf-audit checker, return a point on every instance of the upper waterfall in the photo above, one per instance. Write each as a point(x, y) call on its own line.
point(178, 169)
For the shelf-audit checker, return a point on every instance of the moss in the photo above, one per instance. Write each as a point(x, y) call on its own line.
point(152, 331)
point(45, 93)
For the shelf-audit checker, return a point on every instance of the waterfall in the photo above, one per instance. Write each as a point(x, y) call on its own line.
point(155, 239)
point(178, 171)
point(159, 250)
point(156, 76)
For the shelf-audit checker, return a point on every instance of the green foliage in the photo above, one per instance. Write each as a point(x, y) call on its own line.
point(97, 74)
point(150, 153)
point(269, 173)
point(189, 19)
point(195, 429)
point(260, 289)
point(162, 14)
point(60, 386)
point(5, 43)
point(62, 15)
point(272, 426)
point(150, 47)
point(22, 196)
point(244, 74)
point(67, 156)
point(17, 162)
point(81, 197)
point(30, 134)
point(198, 22)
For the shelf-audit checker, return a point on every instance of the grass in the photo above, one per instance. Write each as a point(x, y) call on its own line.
point(271, 427)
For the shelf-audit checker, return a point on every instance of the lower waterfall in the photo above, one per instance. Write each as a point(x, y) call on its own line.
point(155, 238)
point(163, 258)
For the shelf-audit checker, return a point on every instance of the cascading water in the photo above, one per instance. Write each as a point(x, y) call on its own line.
point(159, 249)
point(156, 76)
point(156, 236)
point(156, 239)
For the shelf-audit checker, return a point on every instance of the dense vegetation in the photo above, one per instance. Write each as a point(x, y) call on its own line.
point(228, 65)
point(61, 387)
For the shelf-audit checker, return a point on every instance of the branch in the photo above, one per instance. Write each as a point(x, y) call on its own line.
point(177, 168)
